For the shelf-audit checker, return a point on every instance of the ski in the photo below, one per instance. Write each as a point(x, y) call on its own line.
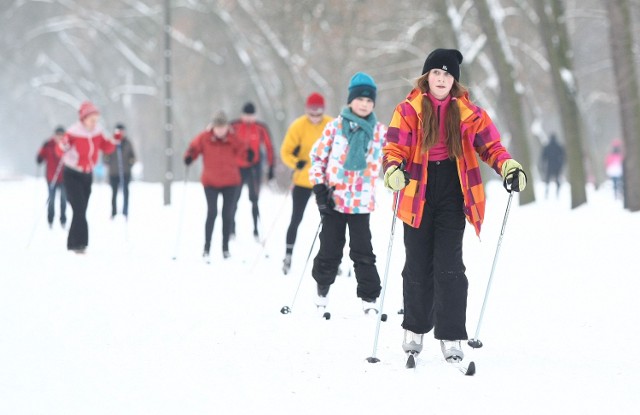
point(411, 360)
point(322, 312)
point(465, 369)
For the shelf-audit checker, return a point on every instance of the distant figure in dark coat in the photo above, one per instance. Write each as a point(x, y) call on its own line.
point(119, 163)
point(553, 158)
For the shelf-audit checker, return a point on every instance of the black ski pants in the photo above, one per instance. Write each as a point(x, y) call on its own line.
point(332, 241)
point(51, 210)
point(115, 182)
point(78, 186)
point(228, 210)
point(434, 281)
point(300, 196)
point(251, 176)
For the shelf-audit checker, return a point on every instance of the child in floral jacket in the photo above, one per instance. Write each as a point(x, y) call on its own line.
point(345, 163)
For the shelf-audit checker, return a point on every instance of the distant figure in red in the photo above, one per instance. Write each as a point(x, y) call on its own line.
point(254, 135)
point(48, 154)
point(79, 150)
point(553, 158)
point(614, 169)
point(219, 148)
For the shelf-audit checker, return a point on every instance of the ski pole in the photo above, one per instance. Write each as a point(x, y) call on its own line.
point(373, 358)
point(181, 215)
point(263, 242)
point(475, 342)
point(50, 187)
point(287, 309)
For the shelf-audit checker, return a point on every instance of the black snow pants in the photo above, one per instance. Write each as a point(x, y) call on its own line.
point(78, 186)
point(332, 240)
point(434, 281)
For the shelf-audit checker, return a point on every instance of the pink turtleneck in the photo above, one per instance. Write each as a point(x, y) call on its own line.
point(439, 151)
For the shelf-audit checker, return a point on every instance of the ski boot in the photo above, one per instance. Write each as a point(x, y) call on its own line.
point(370, 307)
point(412, 346)
point(322, 300)
point(452, 350)
point(286, 264)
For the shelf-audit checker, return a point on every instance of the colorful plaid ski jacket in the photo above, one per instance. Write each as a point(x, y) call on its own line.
point(404, 144)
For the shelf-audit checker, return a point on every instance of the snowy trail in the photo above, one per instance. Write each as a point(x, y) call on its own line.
point(124, 329)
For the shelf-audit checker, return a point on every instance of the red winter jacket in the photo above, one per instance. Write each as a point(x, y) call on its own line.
point(48, 154)
point(219, 158)
point(253, 135)
point(79, 148)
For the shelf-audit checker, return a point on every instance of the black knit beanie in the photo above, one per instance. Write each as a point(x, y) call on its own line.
point(445, 59)
point(249, 108)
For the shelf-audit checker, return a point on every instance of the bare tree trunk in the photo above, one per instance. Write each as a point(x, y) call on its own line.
point(556, 41)
point(510, 102)
point(621, 40)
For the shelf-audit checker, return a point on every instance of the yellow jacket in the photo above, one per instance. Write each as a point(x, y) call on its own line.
point(297, 144)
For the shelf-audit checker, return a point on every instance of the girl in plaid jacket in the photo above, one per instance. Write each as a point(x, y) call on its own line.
point(430, 160)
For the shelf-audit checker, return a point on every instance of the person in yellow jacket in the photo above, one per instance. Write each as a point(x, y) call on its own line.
point(297, 143)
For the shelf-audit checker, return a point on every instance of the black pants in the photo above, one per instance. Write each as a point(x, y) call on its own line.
point(228, 210)
point(300, 196)
point(332, 240)
point(51, 211)
point(251, 176)
point(78, 186)
point(434, 281)
point(114, 181)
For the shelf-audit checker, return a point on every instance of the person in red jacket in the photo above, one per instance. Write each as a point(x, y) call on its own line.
point(48, 154)
point(79, 150)
point(220, 175)
point(253, 135)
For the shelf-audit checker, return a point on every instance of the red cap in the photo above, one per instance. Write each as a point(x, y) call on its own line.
point(86, 109)
point(315, 100)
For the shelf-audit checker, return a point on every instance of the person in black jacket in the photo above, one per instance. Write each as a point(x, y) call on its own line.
point(553, 158)
point(119, 163)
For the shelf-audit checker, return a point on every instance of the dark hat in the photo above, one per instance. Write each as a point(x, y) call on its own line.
point(220, 119)
point(249, 108)
point(362, 85)
point(445, 59)
point(59, 130)
point(120, 126)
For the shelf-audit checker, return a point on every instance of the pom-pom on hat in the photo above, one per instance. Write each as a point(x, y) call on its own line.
point(249, 108)
point(86, 109)
point(446, 59)
point(315, 100)
point(362, 85)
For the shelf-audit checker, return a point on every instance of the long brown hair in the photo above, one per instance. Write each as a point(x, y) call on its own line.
point(430, 130)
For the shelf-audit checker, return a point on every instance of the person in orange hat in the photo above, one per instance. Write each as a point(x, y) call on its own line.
point(79, 150)
point(303, 132)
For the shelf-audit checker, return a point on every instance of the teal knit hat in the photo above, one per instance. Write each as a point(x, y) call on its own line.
point(362, 85)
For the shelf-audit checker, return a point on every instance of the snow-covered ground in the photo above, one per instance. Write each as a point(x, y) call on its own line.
point(125, 329)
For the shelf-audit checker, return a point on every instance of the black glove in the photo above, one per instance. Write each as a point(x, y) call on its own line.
point(300, 164)
point(188, 160)
point(323, 199)
point(296, 151)
point(250, 155)
point(39, 159)
point(270, 175)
